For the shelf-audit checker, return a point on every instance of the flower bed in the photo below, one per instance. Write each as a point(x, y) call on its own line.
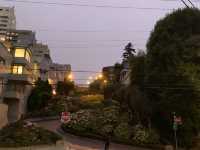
point(107, 122)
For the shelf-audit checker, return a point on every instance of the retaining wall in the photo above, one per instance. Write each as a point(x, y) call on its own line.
point(3, 115)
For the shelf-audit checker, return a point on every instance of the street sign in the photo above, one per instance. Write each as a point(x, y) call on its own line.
point(65, 117)
point(178, 120)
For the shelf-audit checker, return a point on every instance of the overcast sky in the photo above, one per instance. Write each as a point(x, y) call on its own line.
point(91, 37)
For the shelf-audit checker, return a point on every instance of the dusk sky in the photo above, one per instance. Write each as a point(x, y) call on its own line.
point(90, 37)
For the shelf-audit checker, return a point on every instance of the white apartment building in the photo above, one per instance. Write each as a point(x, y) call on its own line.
point(59, 72)
point(16, 80)
point(7, 20)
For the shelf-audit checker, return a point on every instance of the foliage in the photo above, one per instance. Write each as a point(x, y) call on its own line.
point(137, 66)
point(55, 106)
point(64, 88)
point(128, 52)
point(39, 96)
point(144, 136)
point(22, 134)
point(108, 122)
point(172, 73)
point(96, 86)
point(123, 131)
point(117, 73)
point(92, 98)
point(100, 122)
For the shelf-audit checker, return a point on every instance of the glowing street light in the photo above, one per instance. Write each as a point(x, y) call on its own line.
point(70, 76)
point(88, 82)
point(54, 92)
point(100, 76)
point(105, 81)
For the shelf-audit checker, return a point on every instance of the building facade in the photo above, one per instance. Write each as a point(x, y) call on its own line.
point(16, 80)
point(59, 72)
point(125, 74)
point(41, 61)
point(24, 38)
point(7, 20)
point(108, 73)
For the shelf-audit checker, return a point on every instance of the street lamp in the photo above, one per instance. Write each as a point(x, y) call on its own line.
point(54, 92)
point(70, 76)
point(105, 81)
point(100, 76)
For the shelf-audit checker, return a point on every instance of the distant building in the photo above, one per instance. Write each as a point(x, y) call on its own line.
point(59, 72)
point(125, 74)
point(7, 20)
point(41, 61)
point(24, 38)
point(108, 73)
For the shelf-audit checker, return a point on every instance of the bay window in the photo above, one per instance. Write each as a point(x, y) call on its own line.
point(16, 69)
point(19, 52)
point(23, 53)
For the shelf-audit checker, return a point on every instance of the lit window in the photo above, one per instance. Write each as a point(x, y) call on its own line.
point(17, 69)
point(19, 52)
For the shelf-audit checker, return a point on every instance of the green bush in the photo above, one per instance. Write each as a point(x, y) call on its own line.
point(123, 131)
point(145, 136)
point(40, 96)
point(54, 107)
point(106, 122)
point(22, 134)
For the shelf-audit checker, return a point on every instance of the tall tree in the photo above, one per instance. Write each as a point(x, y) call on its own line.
point(129, 52)
point(172, 75)
point(64, 88)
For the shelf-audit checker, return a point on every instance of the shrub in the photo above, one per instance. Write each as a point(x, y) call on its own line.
point(39, 96)
point(123, 131)
point(144, 136)
point(22, 134)
point(92, 98)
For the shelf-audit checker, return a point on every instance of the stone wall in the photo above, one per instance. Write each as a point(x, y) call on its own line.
point(3, 115)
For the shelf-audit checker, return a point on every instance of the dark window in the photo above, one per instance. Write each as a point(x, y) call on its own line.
point(5, 17)
point(5, 21)
point(3, 25)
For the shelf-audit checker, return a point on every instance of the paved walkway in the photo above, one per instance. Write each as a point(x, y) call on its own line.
point(81, 143)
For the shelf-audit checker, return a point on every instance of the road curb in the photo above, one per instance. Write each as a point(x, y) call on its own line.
point(43, 119)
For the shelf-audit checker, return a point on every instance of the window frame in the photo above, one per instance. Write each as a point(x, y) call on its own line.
point(19, 69)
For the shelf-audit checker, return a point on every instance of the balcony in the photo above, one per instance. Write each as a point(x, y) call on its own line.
point(22, 61)
point(22, 78)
